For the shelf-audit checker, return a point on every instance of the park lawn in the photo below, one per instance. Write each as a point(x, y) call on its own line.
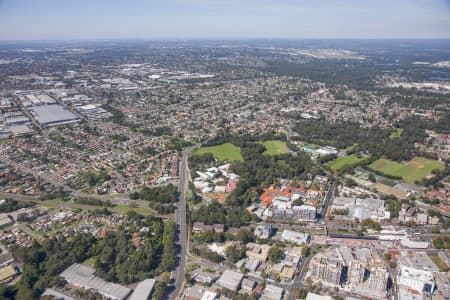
point(224, 152)
point(396, 133)
point(124, 208)
point(275, 147)
point(411, 171)
point(341, 162)
point(51, 204)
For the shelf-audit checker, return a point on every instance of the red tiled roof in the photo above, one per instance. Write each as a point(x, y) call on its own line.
point(269, 194)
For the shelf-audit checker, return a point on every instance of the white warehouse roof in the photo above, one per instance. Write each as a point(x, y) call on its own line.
point(143, 290)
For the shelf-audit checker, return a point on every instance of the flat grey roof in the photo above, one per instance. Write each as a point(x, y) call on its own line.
point(54, 114)
point(6, 258)
point(272, 292)
point(57, 295)
point(143, 290)
point(230, 279)
point(85, 276)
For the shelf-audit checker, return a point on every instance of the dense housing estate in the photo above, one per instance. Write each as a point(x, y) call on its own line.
point(209, 170)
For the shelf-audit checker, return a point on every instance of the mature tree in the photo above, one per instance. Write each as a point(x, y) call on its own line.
point(275, 254)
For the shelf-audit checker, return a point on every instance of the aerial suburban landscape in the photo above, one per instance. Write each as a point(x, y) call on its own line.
point(203, 169)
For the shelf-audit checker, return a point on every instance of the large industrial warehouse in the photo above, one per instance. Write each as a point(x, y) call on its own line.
point(52, 115)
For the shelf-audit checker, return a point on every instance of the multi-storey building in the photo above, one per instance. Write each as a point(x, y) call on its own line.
point(356, 271)
point(327, 268)
point(306, 212)
point(378, 279)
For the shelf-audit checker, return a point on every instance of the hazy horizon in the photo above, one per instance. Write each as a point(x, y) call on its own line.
point(52, 20)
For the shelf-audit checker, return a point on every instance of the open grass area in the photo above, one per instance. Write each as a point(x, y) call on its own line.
point(225, 152)
point(275, 147)
point(123, 208)
point(440, 263)
point(5, 141)
point(351, 147)
point(90, 261)
point(386, 189)
point(120, 208)
point(189, 195)
point(51, 204)
point(416, 169)
point(396, 133)
point(341, 162)
point(56, 204)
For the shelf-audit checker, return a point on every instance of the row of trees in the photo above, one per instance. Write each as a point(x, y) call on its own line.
point(438, 175)
point(168, 242)
point(10, 205)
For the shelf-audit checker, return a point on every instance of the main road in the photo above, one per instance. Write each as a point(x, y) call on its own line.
point(326, 203)
point(180, 221)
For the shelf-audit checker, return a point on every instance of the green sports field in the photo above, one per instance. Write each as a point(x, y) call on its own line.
point(416, 169)
point(341, 162)
point(224, 152)
point(275, 147)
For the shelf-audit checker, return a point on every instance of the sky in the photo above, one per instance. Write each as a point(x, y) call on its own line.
point(184, 19)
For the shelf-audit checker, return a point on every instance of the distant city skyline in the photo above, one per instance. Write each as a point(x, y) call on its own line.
point(160, 19)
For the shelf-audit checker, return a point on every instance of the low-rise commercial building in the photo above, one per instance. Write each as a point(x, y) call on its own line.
point(306, 212)
point(360, 209)
point(257, 251)
point(414, 283)
point(327, 268)
point(84, 276)
point(295, 237)
point(312, 296)
point(143, 290)
point(263, 231)
point(230, 280)
point(272, 292)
